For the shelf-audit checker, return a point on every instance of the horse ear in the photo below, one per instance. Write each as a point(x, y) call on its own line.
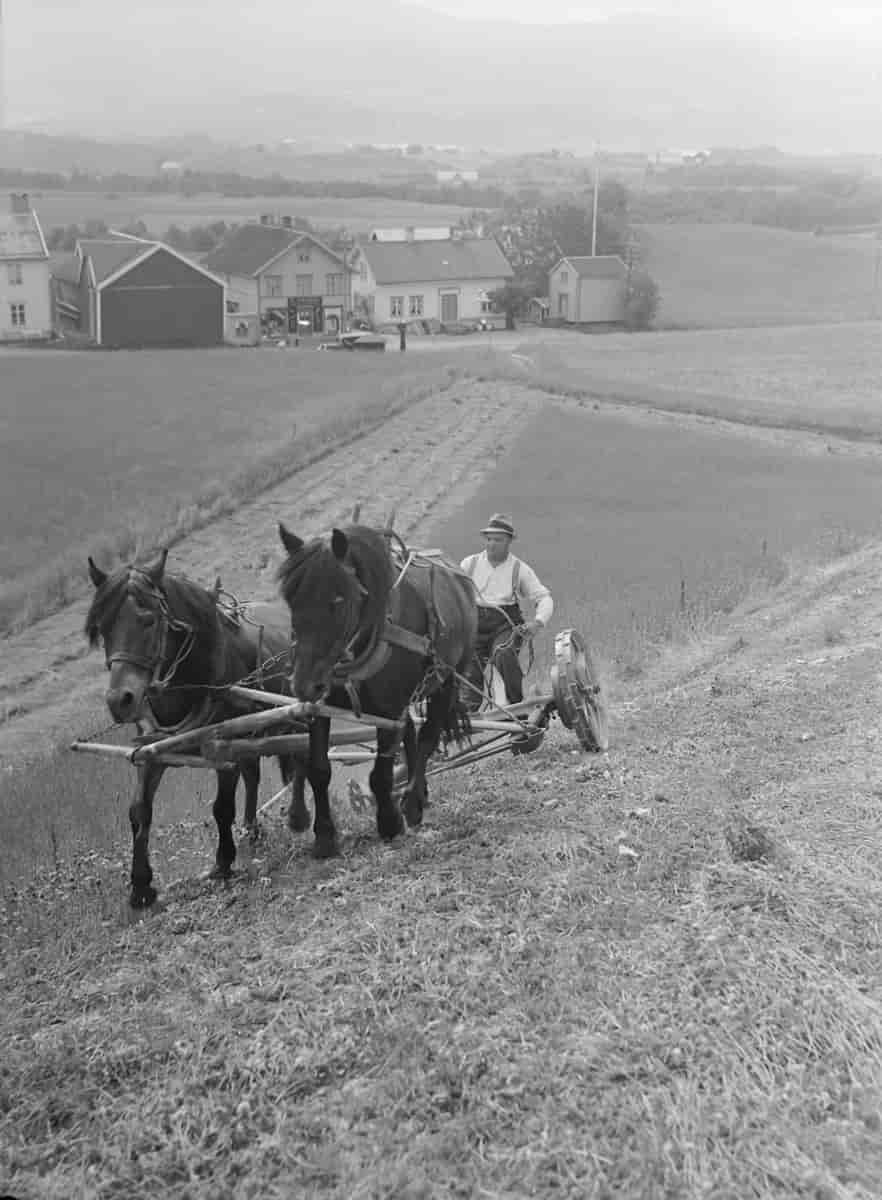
point(156, 569)
point(96, 574)
point(339, 544)
point(290, 541)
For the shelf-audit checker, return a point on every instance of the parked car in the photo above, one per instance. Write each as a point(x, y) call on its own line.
point(356, 340)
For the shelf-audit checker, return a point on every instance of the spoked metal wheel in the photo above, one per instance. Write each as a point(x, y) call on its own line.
point(578, 693)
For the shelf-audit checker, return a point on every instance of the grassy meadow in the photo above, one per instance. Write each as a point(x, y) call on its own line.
point(103, 453)
point(158, 210)
point(721, 276)
point(822, 377)
point(647, 530)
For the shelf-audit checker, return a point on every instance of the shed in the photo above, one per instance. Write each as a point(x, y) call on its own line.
point(585, 289)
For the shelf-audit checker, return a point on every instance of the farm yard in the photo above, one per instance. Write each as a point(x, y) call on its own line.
point(649, 972)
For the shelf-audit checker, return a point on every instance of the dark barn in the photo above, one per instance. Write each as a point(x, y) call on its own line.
point(135, 293)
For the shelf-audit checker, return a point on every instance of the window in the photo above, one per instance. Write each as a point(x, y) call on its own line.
point(304, 285)
point(486, 306)
point(13, 270)
point(304, 256)
point(564, 277)
point(563, 305)
point(334, 285)
point(272, 286)
point(17, 312)
point(232, 306)
point(396, 306)
point(415, 306)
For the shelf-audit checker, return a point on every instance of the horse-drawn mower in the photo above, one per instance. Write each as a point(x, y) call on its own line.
point(380, 629)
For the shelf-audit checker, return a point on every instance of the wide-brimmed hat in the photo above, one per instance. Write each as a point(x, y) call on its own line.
point(500, 523)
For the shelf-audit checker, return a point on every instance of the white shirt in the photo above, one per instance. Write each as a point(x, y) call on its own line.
point(495, 584)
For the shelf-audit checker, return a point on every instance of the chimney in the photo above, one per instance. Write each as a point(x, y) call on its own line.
point(21, 202)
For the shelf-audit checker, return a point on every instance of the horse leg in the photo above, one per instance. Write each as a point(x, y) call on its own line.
point(143, 894)
point(404, 773)
point(250, 769)
point(224, 814)
point(294, 773)
point(389, 821)
point(318, 772)
point(438, 711)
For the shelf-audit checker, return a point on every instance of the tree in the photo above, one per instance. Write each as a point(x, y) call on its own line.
point(642, 300)
point(512, 299)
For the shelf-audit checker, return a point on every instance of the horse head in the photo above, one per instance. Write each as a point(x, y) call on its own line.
point(324, 595)
point(129, 614)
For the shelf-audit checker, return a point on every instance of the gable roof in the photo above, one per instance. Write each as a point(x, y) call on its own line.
point(115, 254)
point(21, 237)
point(598, 266)
point(421, 262)
point(107, 255)
point(250, 249)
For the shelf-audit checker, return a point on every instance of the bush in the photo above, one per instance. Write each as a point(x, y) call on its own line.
point(641, 304)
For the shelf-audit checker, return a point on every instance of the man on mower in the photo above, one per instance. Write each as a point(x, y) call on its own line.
point(502, 582)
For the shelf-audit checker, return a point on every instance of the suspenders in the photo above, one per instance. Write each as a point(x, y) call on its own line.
point(515, 573)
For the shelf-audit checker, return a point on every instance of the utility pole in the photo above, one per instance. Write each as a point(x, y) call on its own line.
point(594, 214)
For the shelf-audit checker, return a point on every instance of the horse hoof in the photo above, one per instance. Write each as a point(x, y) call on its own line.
point(142, 897)
point(390, 827)
point(298, 822)
point(325, 846)
point(221, 871)
point(413, 812)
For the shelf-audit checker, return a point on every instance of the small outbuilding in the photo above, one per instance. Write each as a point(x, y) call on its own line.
point(586, 289)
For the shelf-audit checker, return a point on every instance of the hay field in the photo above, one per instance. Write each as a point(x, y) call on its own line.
point(718, 276)
point(159, 211)
point(823, 377)
point(619, 513)
point(102, 453)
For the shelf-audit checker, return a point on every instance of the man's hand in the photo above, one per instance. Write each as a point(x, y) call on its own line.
point(531, 628)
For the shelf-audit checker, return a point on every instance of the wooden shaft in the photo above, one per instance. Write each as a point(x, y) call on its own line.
point(128, 752)
point(287, 743)
point(309, 710)
point(251, 723)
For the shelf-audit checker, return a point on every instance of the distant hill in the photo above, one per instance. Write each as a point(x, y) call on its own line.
point(406, 73)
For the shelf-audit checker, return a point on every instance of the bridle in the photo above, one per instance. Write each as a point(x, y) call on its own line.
point(352, 631)
point(166, 624)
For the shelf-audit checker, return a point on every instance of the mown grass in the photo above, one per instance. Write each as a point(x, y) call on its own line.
point(723, 276)
point(503, 1005)
point(112, 455)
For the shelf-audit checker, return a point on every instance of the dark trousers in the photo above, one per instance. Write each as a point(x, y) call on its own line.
point(495, 643)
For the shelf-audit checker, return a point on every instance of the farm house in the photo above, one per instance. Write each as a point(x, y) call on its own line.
point(447, 280)
point(122, 291)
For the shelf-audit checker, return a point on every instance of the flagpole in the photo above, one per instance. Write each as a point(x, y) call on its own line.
point(594, 214)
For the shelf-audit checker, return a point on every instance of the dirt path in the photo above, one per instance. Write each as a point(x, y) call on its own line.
point(425, 463)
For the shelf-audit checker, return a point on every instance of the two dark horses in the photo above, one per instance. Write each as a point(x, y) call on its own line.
point(172, 650)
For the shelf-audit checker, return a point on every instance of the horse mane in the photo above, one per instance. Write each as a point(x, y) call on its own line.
point(187, 602)
point(369, 555)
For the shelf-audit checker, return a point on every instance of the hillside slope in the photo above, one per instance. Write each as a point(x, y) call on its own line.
point(652, 973)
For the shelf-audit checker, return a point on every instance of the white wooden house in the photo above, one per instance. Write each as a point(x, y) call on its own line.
point(25, 305)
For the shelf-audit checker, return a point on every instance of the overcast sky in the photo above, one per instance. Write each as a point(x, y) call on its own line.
point(776, 16)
